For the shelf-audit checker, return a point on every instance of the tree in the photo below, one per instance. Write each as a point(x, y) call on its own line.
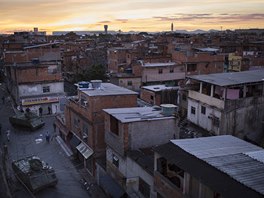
point(95, 72)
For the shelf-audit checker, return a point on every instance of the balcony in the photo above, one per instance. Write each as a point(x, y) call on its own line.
point(165, 186)
point(76, 106)
point(220, 104)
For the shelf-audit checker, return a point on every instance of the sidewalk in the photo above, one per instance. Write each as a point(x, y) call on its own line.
point(95, 191)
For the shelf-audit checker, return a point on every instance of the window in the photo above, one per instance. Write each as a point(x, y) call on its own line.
point(160, 71)
point(129, 83)
point(52, 69)
point(144, 188)
point(114, 125)
point(151, 97)
point(115, 161)
point(203, 110)
point(46, 89)
point(171, 70)
point(84, 102)
point(193, 110)
point(176, 175)
point(162, 165)
point(206, 89)
point(76, 122)
point(85, 131)
point(191, 67)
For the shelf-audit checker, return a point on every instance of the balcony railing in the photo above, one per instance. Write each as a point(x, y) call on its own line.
point(165, 187)
point(206, 99)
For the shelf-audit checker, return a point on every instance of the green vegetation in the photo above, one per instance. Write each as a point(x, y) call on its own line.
point(96, 72)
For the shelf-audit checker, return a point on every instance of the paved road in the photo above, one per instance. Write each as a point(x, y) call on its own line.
point(23, 143)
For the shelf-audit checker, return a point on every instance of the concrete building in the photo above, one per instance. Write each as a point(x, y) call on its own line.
point(34, 77)
point(125, 80)
point(209, 167)
point(153, 73)
point(116, 59)
point(228, 103)
point(128, 132)
point(235, 63)
point(159, 94)
point(36, 85)
point(84, 120)
point(199, 60)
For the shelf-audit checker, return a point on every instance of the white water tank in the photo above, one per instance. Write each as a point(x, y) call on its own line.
point(168, 109)
point(96, 84)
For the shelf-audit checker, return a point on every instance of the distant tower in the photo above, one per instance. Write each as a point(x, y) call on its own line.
point(35, 30)
point(105, 28)
point(172, 27)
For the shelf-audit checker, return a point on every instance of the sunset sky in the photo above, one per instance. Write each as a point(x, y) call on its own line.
point(126, 15)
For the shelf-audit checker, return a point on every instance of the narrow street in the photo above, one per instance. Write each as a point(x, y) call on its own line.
point(25, 143)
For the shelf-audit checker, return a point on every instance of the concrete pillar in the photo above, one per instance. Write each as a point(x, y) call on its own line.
point(244, 91)
point(212, 91)
point(225, 91)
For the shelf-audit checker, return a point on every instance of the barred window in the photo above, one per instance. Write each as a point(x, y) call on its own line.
point(46, 89)
point(203, 110)
point(144, 188)
point(193, 110)
point(115, 161)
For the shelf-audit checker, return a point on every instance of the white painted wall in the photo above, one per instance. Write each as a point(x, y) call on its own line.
point(131, 170)
point(37, 89)
point(122, 162)
point(203, 120)
point(192, 117)
point(135, 171)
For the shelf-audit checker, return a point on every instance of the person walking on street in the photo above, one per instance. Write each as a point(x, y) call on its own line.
point(49, 110)
point(47, 137)
point(8, 135)
point(3, 99)
point(40, 111)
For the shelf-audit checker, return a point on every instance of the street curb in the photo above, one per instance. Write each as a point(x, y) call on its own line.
point(66, 149)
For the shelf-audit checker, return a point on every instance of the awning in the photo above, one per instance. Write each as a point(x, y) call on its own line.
point(86, 151)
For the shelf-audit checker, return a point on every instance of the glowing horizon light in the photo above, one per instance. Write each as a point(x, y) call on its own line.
point(128, 15)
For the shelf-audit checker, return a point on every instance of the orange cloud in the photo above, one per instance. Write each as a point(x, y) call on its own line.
point(146, 15)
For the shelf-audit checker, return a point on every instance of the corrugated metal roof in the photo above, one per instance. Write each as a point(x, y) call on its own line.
point(156, 88)
point(107, 89)
point(135, 114)
point(215, 146)
point(239, 159)
point(242, 168)
point(257, 155)
point(231, 78)
point(159, 64)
